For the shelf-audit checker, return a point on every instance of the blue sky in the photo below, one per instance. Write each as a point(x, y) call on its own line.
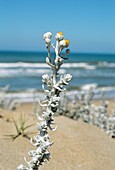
point(88, 24)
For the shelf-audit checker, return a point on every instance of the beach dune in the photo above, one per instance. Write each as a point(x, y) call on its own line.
point(77, 145)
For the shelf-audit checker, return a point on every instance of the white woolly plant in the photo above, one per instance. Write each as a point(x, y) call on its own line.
point(52, 101)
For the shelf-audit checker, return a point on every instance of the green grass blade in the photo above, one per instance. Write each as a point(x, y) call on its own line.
point(16, 126)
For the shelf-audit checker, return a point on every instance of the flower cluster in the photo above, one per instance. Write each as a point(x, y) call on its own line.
point(52, 101)
point(47, 38)
point(46, 80)
point(64, 43)
point(66, 78)
point(59, 36)
point(61, 44)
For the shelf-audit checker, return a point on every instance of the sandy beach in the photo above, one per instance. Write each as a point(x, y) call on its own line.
point(77, 145)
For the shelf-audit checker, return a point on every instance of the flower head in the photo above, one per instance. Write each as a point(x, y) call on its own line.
point(59, 36)
point(64, 43)
point(67, 77)
point(47, 35)
point(45, 78)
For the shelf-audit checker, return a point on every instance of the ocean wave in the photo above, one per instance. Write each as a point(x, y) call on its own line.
point(106, 64)
point(89, 86)
point(65, 65)
point(23, 65)
point(44, 65)
point(96, 88)
point(25, 96)
point(79, 65)
point(92, 74)
point(4, 73)
point(30, 72)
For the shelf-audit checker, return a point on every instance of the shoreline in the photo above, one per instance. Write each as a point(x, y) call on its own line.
point(29, 96)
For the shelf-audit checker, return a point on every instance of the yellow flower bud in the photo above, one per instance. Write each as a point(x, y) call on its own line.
point(64, 43)
point(60, 33)
point(59, 36)
point(67, 43)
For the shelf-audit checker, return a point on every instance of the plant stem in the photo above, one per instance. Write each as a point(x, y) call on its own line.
point(49, 53)
point(54, 75)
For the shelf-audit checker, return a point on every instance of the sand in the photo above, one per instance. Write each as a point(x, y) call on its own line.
point(77, 145)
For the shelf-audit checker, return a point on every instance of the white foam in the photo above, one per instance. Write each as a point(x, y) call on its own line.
point(110, 88)
point(25, 72)
point(106, 64)
point(23, 65)
point(44, 65)
point(25, 97)
point(21, 72)
point(89, 86)
point(65, 65)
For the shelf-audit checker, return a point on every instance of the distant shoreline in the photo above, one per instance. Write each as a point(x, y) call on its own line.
point(34, 96)
point(45, 52)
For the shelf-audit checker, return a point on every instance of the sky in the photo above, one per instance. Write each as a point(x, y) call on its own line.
point(88, 24)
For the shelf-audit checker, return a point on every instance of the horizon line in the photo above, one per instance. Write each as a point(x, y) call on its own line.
point(45, 51)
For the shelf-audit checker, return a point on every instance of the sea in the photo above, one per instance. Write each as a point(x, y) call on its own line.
point(22, 72)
